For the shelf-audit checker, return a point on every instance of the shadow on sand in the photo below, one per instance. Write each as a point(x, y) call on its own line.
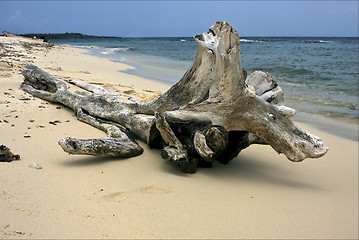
point(243, 169)
point(263, 171)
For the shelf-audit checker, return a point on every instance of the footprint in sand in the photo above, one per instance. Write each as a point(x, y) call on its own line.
point(116, 197)
point(150, 190)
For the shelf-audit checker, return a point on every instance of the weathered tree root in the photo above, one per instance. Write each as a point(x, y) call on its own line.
point(101, 147)
point(210, 115)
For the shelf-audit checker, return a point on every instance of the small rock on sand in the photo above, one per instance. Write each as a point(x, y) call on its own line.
point(35, 166)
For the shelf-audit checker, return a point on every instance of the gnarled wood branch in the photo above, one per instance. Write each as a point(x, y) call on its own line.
point(211, 114)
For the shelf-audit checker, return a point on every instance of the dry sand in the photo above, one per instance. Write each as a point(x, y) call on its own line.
point(260, 194)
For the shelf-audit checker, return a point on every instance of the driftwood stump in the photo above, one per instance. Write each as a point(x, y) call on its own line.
point(211, 114)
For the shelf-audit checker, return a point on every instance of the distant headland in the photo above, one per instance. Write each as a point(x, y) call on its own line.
point(62, 35)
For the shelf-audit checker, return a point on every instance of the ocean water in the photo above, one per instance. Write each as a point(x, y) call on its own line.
point(318, 75)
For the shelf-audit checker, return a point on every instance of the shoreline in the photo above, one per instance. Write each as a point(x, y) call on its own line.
point(331, 94)
point(346, 128)
point(258, 195)
point(159, 73)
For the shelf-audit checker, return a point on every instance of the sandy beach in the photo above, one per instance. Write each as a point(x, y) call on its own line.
point(259, 195)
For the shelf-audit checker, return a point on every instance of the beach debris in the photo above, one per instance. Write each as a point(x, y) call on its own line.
point(6, 155)
point(212, 114)
point(35, 165)
point(54, 122)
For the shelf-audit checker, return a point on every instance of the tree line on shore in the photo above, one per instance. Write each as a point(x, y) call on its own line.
point(66, 35)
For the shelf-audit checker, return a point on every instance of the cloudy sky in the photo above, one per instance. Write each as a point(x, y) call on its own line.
point(181, 18)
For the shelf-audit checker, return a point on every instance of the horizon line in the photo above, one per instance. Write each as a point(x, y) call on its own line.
point(244, 36)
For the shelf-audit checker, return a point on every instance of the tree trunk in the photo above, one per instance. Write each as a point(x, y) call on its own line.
point(211, 114)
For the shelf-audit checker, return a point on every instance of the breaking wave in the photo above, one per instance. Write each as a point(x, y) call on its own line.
point(115, 50)
point(249, 40)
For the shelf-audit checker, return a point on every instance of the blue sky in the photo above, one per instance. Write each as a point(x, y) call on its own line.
point(181, 18)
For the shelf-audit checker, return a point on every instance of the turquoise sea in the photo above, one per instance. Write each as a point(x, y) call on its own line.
point(319, 75)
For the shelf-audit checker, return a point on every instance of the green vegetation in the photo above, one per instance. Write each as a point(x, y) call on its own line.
point(60, 35)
